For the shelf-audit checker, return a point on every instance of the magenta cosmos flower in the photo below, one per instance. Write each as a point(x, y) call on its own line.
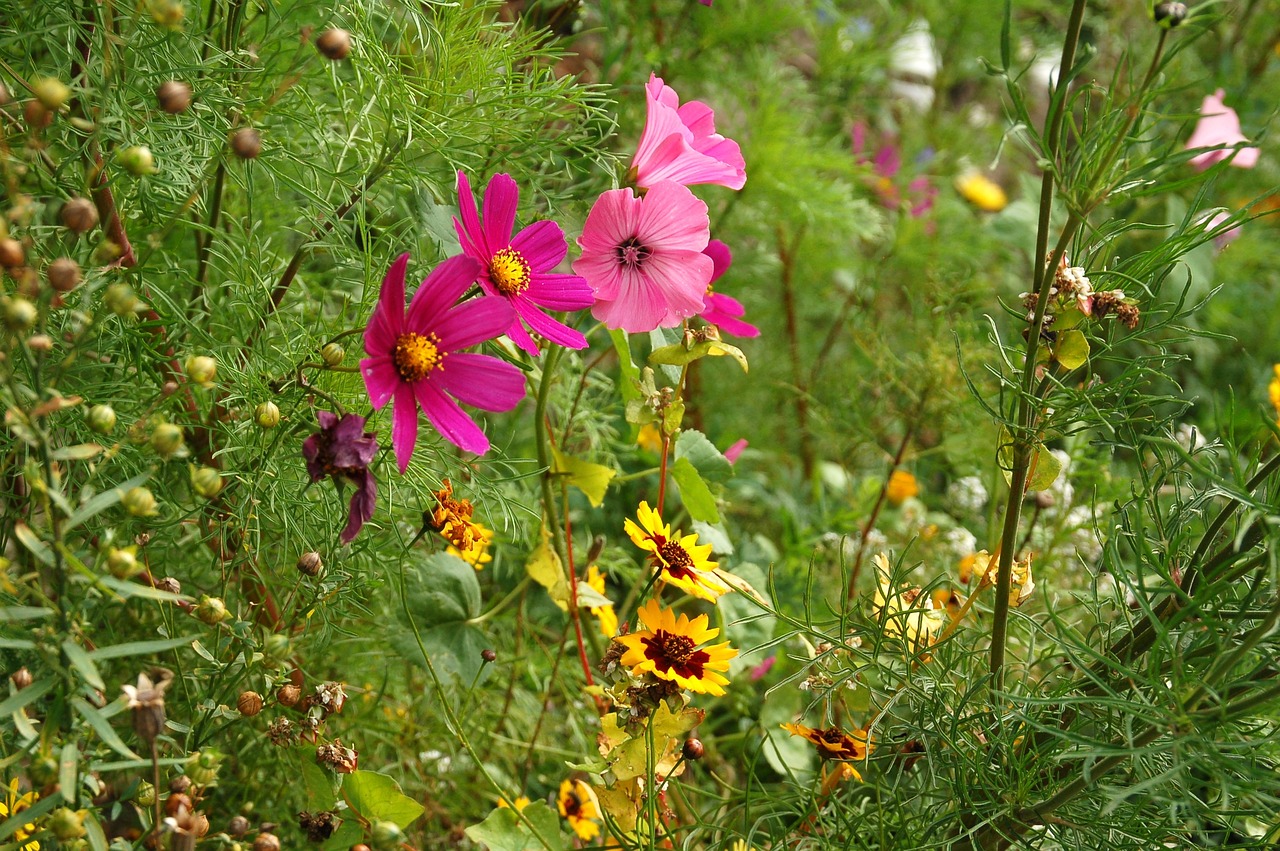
point(724, 312)
point(414, 356)
point(519, 268)
point(344, 450)
point(1219, 127)
point(680, 143)
point(643, 257)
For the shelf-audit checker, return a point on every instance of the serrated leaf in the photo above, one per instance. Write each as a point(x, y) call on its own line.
point(694, 492)
point(78, 452)
point(702, 453)
point(103, 728)
point(1072, 349)
point(592, 479)
point(503, 830)
point(80, 660)
point(545, 568)
point(377, 797)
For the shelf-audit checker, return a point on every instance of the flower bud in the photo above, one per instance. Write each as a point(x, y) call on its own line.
point(238, 826)
point(20, 678)
point(12, 254)
point(202, 369)
point(693, 749)
point(19, 314)
point(63, 274)
point(145, 795)
point(202, 766)
point(249, 703)
point(1170, 15)
point(276, 647)
point(40, 343)
point(121, 300)
point(488, 655)
point(267, 415)
point(137, 160)
point(168, 584)
point(43, 771)
point(51, 93)
point(174, 96)
point(166, 440)
point(385, 835)
point(78, 215)
point(123, 562)
point(169, 388)
point(266, 842)
point(37, 115)
point(310, 564)
point(101, 419)
point(180, 784)
point(332, 354)
point(206, 481)
point(167, 13)
point(246, 143)
point(289, 695)
point(334, 43)
point(66, 824)
point(107, 252)
point(212, 611)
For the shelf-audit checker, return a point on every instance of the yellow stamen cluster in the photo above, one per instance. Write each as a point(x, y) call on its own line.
point(415, 355)
point(510, 272)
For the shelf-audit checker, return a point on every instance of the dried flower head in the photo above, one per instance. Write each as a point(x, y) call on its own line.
point(337, 757)
point(146, 699)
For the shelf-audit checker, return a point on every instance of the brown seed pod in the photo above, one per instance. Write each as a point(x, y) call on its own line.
point(63, 274)
point(12, 253)
point(249, 703)
point(37, 115)
point(20, 678)
point(79, 215)
point(310, 564)
point(238, 826)
point(247, 143)
point(177, 802)
point(693, 749)
point(334, 43)
point(289, 695)
point(266, 842)
point(174, 96)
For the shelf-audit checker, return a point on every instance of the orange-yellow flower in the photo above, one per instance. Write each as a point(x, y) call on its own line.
point(475, 551)
point(834, 743)
point(519, 804)
point(671, 649)
point(679, 560)
point(902, 486)
point(604, 614)
point(981, 191)
point(578, 804)
point(1273, 390)
point(11, 805)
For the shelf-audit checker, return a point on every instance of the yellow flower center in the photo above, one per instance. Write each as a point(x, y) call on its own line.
point(416, 355)
point(510, 272)
point(677, 648)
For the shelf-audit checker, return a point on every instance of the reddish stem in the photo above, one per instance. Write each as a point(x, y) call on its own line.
point(875, 511)
point(573, 588)
point(662, 473)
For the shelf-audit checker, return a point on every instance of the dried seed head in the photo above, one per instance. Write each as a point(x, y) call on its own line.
point(174, 96)
point(20, 678)
point(318, 826)
point(146, 699)
point(79, 215)
point(266, 842)
point(246, 143)
point(330, 697)
point(63, 274)
point(334, 43)
point(310, 564)
point(289, 695)
point(181, 783)
point(238, 826)
point(337, 757)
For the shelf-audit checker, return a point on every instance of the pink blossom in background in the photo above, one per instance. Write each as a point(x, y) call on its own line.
point(680, 143)
point(885, 166)
point(705, 2)
point(1228, 236)
point(734, 452)
point(721, 310)
point(642, 255)
point(344, 450)
point(414, 356)
point(519, 268)
point(763, 668)
point(1218, 126)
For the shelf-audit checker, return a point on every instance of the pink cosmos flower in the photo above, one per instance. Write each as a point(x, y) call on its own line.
point(643, 257)
point(414, 356)
point(1219, 127)
point(680, 143)
point(1228, 236)
point(734, 452)
point(344, 450)
point(519, 268)
point(721, 310)
point(886, 164)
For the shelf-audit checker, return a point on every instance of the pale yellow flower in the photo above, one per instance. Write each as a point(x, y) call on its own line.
point(981, 191)
point(908, 613)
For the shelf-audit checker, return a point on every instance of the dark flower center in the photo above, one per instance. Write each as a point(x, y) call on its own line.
point(510, 272)
point(677, 648)
point(572, 806)
point(676, 557)
point(633, 253)
point(416, 355)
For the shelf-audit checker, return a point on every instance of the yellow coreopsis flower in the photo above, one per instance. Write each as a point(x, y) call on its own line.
point(680, 560)
point(14, 803)
point(981, 191)
point(519, 804)
point(604, 614)
point(578, 805)
point(1273, 390)
point(902, 486)
point(671, 649)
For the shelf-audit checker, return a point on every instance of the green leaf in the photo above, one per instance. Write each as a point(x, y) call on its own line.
point(24, 613)
point(503, 830)
point(103, 728)
point(32, 542)
point(322, 791)
point(694, 492)
point(348, 833)
point(1072, 349)
point(80, 660)
point(678, 355)
point(702, 453)
point(592, 479)
point(662, 338)
point(628, 382)
point(377, 797)
point(1044, 468)
point(28, 695)
point(140, 648)
point(128, 589)
point(442, 594)
point(788, 755)
point(79, 452)
point(68, 763)
point(101, 502)
point(95, 834)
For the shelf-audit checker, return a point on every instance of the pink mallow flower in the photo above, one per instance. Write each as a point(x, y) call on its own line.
point(680, 143)
point(718, 309)
point(414, 356)
point(643, 257)
point(519, 268)
point(735, 450)
point(344, 450)
point(1219, 127)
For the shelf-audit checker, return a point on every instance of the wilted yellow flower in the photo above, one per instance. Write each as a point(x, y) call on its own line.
point(11, 805)
point(902, 486)
point(605, 614)
point(908, 613)
point(987, 568)
point(649, 438)
point(981, 191)
point(477, 553)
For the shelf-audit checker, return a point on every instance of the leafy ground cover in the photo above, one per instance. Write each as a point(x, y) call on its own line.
point(565, 424)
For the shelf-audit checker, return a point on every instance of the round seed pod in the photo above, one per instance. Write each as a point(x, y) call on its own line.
point(693, 749)
point(63, 274)
point(246, 143)
point(174, 96)
point(12, 254)
point(79, 215)
point(310, 564)
point(334, 44)
point(249, 704)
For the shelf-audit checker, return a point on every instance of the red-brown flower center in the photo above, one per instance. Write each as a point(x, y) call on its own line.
point(677, 557)
point(510, 272)
point(632, 253)
point(572, 806)
point(677, 648)
point(416, 355)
